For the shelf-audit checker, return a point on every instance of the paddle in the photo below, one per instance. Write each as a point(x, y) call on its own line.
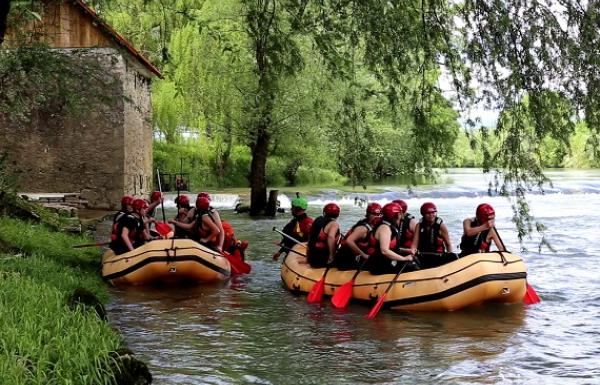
point(379, 303)
point(163, 228)
point(531, 297)
point(316, 293)
point(237, 265)
point(342, 295)
point(286, 235)
point(91, 245)
point(291, 250)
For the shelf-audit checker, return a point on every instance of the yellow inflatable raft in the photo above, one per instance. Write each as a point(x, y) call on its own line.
point(467, 281)
point(168, 261)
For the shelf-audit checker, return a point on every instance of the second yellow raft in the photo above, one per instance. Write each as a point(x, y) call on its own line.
point(471, 280)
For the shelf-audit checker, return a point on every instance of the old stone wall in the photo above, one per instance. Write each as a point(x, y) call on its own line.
point(100, 155)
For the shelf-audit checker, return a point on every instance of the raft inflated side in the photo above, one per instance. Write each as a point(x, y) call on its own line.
point(167, 260)
point(467, 281)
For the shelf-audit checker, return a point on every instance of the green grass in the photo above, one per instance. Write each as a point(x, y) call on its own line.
point(43, 340)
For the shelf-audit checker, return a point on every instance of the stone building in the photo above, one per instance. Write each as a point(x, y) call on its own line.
point(108, 152)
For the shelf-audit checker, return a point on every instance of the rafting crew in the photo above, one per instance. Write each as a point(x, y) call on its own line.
point(359, 242)
point(324, 237)
point(130, 230)
point(385, 260)
point(297, 228)
point(480, 231)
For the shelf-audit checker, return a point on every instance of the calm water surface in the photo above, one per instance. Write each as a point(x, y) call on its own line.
point(250, 330)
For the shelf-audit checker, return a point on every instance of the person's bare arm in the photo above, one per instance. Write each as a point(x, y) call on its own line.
point(359, 233)
point(472, 231)
point(332, 232)
point(415, 244)
point(215, 215)
point(185, 226)
point(446, 237)
point(496, 239)
point(212, 229)
point(125, 238)
point(383, 236)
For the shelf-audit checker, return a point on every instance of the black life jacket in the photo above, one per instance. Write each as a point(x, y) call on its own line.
point(429, 238)
point(318, 250)
point(476, 243)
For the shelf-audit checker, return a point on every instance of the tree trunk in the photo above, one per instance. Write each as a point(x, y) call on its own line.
point(4, 10)
point(258, 179)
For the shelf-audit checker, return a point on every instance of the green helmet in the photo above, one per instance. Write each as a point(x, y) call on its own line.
point(300, 203)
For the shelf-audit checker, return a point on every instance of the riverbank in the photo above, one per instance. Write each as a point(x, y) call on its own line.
point(53, 325)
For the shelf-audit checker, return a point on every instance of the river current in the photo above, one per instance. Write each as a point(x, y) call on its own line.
point(250, 330)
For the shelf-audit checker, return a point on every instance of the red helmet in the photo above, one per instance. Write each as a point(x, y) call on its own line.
point(428, 207)
point(331, 210)
point(391, 211)
point(374, 208)
point(202, 203)
point(204, 195)
point(139, 204)
point(182, 200)
point(402, 204)
point(127, 200)
point(484, 212)
point(155, 196)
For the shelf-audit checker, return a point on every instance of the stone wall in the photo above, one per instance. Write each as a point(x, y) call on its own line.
point(100, 155)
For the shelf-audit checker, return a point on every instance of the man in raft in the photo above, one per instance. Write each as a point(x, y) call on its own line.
point(298, 227)
point(480, 231)
point(214, 215)
point(203, 228)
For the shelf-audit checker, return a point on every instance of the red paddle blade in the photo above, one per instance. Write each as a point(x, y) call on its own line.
point(237, 265)
point(164, 229)
point(531, 297)
point(342, 295)
point(376, 308)
point(316, 293)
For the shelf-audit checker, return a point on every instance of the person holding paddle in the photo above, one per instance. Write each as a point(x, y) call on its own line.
point(406, 229)
point(324, 236)
point(214, 216)
point(385, 260)
point(297, 228)
point(204, 228)
point(155, 199)
point(479, 232)
point(359, 242)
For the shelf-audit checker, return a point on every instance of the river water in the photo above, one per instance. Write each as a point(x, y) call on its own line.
point(251, 330)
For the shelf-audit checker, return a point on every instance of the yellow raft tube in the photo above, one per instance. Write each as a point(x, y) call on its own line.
point(471, 280)
point(166, 261)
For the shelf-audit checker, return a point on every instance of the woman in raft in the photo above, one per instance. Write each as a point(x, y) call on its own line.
point(324, 237)
point(385, 259)
point(359, 242)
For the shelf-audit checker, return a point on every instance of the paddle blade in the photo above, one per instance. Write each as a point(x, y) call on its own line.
point(377, 306)
point(342, 295)
point(316, 293)
point(164, 229)
point(237, 265)
point(531, 297)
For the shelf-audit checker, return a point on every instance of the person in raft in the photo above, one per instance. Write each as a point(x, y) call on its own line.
point(155, 198)
point(359, 242)
point(298, 227)
point(126, 209)
point(385, 259)
point(183, 207)
point(214, 215)
point(431, 234)
point(323, 237)
point(131, 232)
point(406, 229)
point(203, 229)
point(479, 232)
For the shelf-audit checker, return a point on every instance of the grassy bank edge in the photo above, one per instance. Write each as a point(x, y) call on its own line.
point(47, 336)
